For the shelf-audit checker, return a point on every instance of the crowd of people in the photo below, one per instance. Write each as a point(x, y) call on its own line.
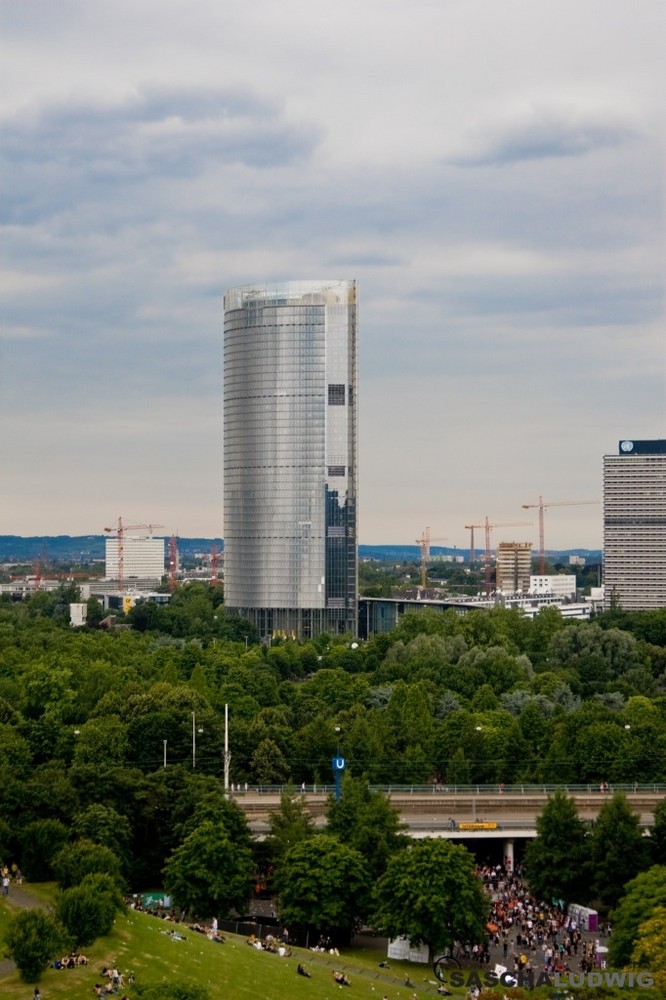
point(533, 935)
point(115, 982)
point(8, 875)
point(70, 961)
point(270, 944)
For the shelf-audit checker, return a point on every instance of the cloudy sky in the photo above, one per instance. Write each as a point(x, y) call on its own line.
point(491, 172)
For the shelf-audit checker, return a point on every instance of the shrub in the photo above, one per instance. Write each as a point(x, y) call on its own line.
point(33, 939)
point(74, 861)
point(40, 841)
point(88, 910)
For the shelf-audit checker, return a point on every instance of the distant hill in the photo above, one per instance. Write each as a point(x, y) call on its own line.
point(412, 553)
point(85, 548)
point(78, 548)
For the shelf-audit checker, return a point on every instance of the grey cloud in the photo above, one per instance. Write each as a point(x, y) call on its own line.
point(572, 300)
point(544, 135)
point(366, 260)
point(65, 152)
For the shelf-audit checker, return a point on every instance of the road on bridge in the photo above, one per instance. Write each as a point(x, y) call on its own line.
point(440, 812)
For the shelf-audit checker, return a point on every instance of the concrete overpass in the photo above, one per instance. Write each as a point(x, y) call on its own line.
point(472, 813)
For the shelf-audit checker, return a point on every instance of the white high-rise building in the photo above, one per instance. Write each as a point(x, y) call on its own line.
point(635, 526)
point(143, 558)
point(290, 546)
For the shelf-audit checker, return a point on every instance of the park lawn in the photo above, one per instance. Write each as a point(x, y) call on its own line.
point(139, 943)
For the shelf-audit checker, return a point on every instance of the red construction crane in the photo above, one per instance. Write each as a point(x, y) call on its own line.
point(120, 532)
point(542, 506)
point(424, 543)
point(488, 528)
point(39, 566)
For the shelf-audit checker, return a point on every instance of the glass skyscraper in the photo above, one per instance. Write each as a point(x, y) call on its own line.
point(290, 539)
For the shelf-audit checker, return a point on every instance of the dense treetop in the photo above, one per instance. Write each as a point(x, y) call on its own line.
point(487, 697)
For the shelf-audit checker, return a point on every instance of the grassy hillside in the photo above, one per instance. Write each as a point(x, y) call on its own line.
point(139, 943)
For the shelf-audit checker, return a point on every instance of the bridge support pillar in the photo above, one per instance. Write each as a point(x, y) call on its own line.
point(508, 855)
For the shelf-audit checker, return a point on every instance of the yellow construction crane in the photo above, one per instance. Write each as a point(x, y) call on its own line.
point(424, 543)
point(542, 506)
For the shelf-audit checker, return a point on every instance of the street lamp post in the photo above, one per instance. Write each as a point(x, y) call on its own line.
point(165, 746)
point(338, 765)
point(194, 738)
point(227, 755)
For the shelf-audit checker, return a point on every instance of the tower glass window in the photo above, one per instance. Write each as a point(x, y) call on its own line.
point(290, 537)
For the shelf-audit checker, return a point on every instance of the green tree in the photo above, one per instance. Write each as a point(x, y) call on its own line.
point(642, 897)
point(323, 884)
point(268, 764)
point(15, 756)
point(33, 938)
point(95, 612)
point(104, 825)
point(289, 825)
point(202, 801)
point(431, 894)
point(457, 769)
point(88, 910)
point(485, 699)
point(82, 857)
point(366, 821)
point(650, 948)
point(6, 840)
point(556, 860)
point(40, 842)
point(658, 834)
point(209, 873)
point(102, 741)
point(618, 849)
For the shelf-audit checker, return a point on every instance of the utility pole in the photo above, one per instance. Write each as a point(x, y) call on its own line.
point(227, 755)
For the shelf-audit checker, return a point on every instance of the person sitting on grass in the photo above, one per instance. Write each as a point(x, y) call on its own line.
point(340, 978)
point(302, 971)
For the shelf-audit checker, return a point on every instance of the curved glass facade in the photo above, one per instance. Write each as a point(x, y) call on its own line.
point(290, 456)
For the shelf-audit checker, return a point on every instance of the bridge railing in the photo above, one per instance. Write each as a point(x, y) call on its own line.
point(630, 788)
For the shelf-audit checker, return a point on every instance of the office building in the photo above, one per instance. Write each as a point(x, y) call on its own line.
point(635, 526)
point(513, 565)
point(290, 533)
point(143, 559)
point(560, 586)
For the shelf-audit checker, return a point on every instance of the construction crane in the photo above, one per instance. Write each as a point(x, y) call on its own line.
point(488, 528)
point(470, 528)
point(39, 567)
point(542, 506)
point(120, 533)
point(424, 543)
